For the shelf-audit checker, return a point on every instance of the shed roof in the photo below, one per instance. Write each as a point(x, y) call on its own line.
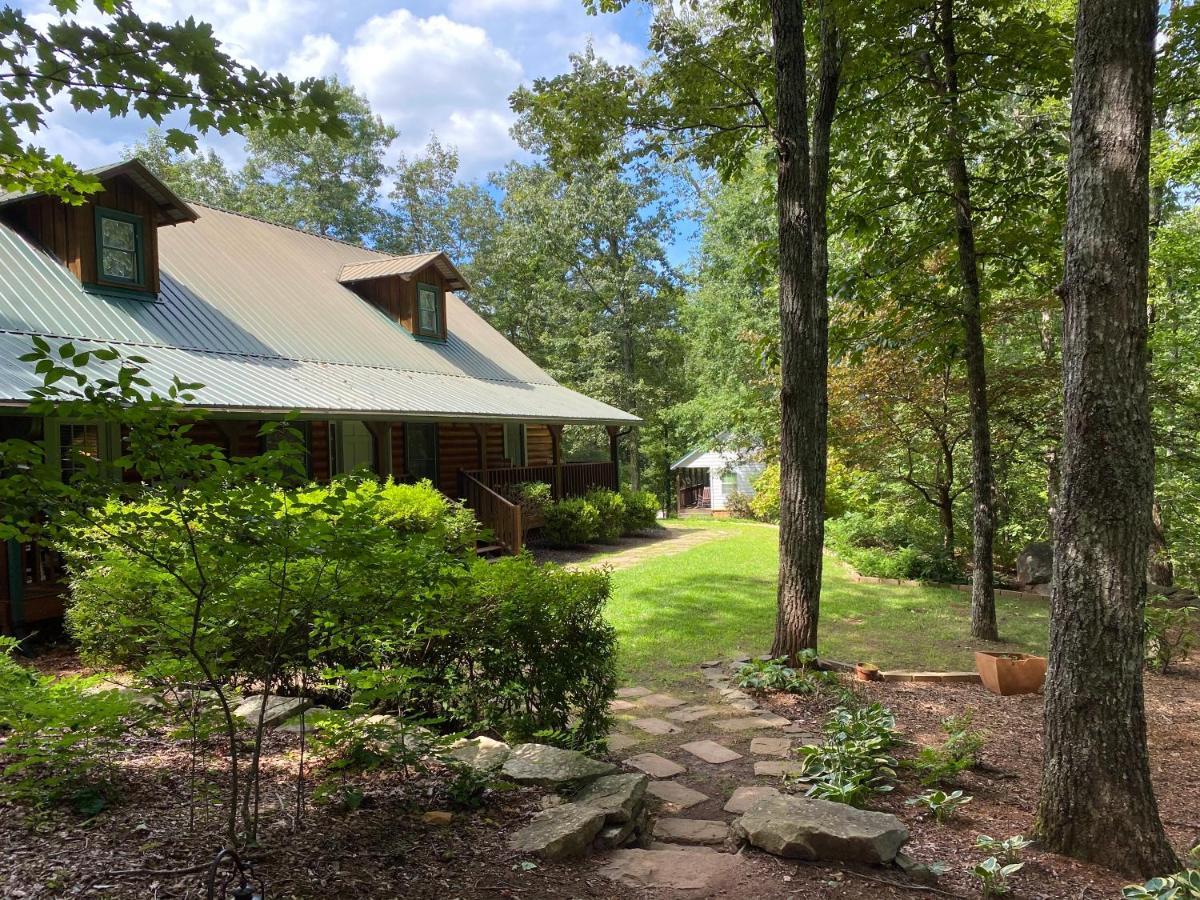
point(405, 267)
point(256, 313)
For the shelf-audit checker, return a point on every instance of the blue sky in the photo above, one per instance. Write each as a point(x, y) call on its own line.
point(425, 67)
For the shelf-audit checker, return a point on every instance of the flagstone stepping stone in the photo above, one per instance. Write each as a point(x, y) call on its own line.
point(745, 797)
point(712, 664)
point(656, 726)
point(661, 701)
point(618, 796)
point(778, 768)
point(561, 832)
point(655, 766)
point(806, 828)
point(617, 706)
point(675, 794)
point(746, 724)
point(549, 766)
point(631, 693)
point(618, 742)
point(711, 752)
point(771, 746)
point(276, 709)
point(775, 721)
point(730, 694)
point(699, 871)
point(691, 831)
point(745, 705)
point(481, 753)
point(691, 713)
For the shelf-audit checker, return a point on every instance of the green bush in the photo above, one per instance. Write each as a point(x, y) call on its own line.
point(887, 547)
point(739, 505)
point(611, 511)
point(57, 736)
point(1170, 634)
point(536, 652)
point(534, 496)
point(570, 523)
point(765, 502)
point(641, 511)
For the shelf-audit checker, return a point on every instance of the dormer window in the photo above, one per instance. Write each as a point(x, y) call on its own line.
point(429, 311)
point(120, 248)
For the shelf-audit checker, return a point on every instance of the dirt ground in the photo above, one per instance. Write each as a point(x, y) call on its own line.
point(144, 846)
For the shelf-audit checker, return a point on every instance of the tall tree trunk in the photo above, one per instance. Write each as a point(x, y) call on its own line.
point(801, 360)
point(802, 194)
point(983, 597)
point(1097, 800)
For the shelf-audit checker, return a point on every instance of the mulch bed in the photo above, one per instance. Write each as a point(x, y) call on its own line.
point(383, 849)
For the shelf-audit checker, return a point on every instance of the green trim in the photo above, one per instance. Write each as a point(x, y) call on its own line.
point(439, 300)
point(119, 293)
point(139, 248)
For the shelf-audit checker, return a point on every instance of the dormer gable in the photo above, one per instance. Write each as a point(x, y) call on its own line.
point(409, 289)
point(109, 242)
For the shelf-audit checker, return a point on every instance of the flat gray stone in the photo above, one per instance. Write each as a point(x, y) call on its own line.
point(618, 742)
point(619, 797)
point(655, 766)
point(775, 721)
point(562, 832)
point(656, 726)
point(749, 723)
point(778, 768)
point(711, 752)
point(691, 713)
point(697, 871)
point(771, 746)
point(677, 795)
point(745, 797)
point(277, 709)
point(731, 694)
point(805, 828)
point(481, 753)
point(661, 701)
point(745, 705)
point(690, 831)
point(549, 766)
point(631, 693)
point(309, 721)
point(619, 706)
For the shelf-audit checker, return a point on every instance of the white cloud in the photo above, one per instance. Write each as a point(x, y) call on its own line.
point(316, 56)
point(434, 74)
point(478, 9)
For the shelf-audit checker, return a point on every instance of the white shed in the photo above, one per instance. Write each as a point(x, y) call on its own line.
point(707, 476)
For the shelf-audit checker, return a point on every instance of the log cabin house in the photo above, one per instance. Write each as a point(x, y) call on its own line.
point(386, 365)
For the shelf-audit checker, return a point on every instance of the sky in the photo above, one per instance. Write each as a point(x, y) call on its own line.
point(445, 67)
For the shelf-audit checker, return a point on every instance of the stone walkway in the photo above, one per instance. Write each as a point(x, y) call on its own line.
point(711, 753)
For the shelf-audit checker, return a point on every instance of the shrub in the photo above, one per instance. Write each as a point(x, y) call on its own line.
point(739, 505)
point(1006, 851)
point(571, 522)
point(764, 505)
point(536, 652)
point(58, 736)
point(993, 877)
point(535, 496)
point(610, 509)
point(776, 675)
point(1170, 635)
point(852, 763)
point(641, 511)
point(882, 547)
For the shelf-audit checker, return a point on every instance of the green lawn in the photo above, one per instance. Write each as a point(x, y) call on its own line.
point(717, 600)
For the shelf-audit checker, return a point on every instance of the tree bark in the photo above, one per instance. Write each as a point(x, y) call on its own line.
point(983, 528)
point(801, 191)
point(1097, 800)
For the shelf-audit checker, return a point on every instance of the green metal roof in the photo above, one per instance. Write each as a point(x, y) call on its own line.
point(256, 313)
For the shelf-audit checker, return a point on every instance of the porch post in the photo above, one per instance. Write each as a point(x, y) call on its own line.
point(556, 455)
point(232, 430)
point(481, 436)
point(382, 433)
point(614, 435)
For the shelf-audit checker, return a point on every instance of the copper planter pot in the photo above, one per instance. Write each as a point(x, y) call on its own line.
point(1007, 674)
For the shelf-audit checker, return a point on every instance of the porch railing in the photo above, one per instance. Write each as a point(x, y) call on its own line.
point(577, 478)
point(494, 512)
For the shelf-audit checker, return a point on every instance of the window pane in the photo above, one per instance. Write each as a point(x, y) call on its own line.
point(420, 451)
point(118, 234)
point(427, 310)
point(77, 444)
point(119, 264)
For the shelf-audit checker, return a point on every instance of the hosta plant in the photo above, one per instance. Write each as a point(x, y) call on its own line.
point(942, 805)
point(1007, 850)
point(993, 876)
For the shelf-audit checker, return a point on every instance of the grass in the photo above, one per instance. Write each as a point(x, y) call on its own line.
point(717, 600)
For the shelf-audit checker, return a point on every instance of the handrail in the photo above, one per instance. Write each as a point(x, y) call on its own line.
point(494, 511)
point(571, 480)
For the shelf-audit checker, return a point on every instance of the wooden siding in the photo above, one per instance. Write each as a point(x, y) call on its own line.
point(69, 232)
point(398, 451)
point(458, 448)
point(397, 297)
point(538, 447)
point(318, 450)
